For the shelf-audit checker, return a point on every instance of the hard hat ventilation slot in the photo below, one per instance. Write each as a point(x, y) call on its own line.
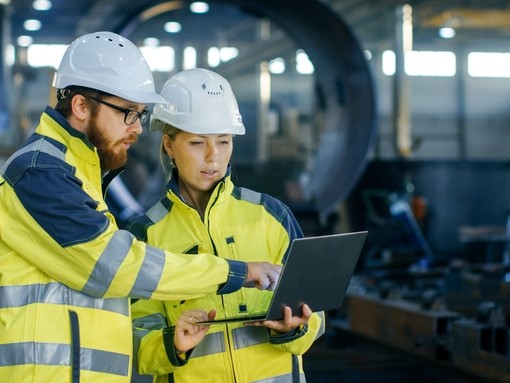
point(110, 40)
point(212, 93)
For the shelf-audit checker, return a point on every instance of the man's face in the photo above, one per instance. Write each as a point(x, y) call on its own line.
point(111, 135)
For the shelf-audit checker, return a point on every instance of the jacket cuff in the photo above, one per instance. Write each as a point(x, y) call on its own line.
point(290, 336)
point(236, 277)
point(168, 341)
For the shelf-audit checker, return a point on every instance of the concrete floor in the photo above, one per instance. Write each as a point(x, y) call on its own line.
point(343, 358)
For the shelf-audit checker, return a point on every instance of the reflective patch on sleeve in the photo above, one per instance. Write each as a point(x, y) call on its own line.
point(108, 264)
point(149, 275)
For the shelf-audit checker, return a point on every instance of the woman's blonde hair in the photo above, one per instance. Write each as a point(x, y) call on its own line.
point(167, 162)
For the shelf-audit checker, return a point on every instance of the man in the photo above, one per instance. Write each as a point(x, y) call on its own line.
point(66, 269)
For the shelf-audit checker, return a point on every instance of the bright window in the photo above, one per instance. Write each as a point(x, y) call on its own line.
point(45, 55)
point(190, 58)
point(215, 55)
point(160, 59)
point(422, 63)
point(489, 64)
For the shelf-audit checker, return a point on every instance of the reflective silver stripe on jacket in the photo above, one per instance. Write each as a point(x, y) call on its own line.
point(108, 263)
point(112, 258)
point(250, 196)
point(214, 343)
point(57, 354)
point(249, 336)
point(322, 329)
point(150, 273)
point(287, 378)
point(144, 325)
point(147, 323)
point(157, 212)
point(41, 145)
point(242, 337)
point(211, 344)
point(56, 293)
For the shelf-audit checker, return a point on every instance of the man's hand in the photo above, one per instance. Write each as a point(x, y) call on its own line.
point(288, 322)
point(262, 275)
point(188, 333)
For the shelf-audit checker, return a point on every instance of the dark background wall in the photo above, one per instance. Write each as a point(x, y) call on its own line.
point(456, 193)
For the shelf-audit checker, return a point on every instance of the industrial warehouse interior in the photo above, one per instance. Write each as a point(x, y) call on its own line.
point(379, 115)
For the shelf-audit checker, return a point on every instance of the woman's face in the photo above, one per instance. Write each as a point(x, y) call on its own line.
point(201, 160)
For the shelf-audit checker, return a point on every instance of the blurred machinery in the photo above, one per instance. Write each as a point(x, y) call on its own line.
point(396, 234)
point(428, 330)
point(452, 314)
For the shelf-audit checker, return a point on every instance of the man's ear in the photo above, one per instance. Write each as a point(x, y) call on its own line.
point(80, 107)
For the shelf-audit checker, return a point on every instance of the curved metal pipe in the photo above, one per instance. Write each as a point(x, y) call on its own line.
point(344, 89)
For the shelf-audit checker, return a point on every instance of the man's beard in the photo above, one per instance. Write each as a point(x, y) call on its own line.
point(108, 158)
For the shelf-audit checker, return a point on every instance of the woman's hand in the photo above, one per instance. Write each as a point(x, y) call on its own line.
point(188, 333)
point(288, 322)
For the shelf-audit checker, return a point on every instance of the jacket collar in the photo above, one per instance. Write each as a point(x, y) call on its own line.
point(64, 124)
point(56, 126)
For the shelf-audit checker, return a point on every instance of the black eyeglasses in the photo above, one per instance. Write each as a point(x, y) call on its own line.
point(130, 115)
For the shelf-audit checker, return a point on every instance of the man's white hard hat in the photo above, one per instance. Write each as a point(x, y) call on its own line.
point(110, 63)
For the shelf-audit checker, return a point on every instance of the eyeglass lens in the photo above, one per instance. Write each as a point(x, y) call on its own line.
point(130, 115)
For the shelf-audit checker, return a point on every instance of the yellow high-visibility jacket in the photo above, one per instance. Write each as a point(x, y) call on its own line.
point(239, 224)
point(66, 270)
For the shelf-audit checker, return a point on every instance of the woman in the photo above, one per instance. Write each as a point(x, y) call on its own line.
point(204, 211)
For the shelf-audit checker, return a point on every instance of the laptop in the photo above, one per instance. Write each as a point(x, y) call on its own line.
point(317, 272)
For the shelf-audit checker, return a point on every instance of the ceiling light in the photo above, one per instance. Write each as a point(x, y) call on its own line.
point(199, 7)
point(32, 25)
point(303, 63)
point(447, 33)
point(172, 27)
point(228, 53)
point(25, 41)
point(151, 42)
point(277, 65)
point(41, 5)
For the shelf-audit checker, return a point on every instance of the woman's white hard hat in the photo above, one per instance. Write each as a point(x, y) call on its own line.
point(198, 101)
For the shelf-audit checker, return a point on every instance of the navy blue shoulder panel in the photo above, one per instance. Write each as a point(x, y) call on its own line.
point(37, 151)
point(49, 190)
point(138, 227)
point(273, 206)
